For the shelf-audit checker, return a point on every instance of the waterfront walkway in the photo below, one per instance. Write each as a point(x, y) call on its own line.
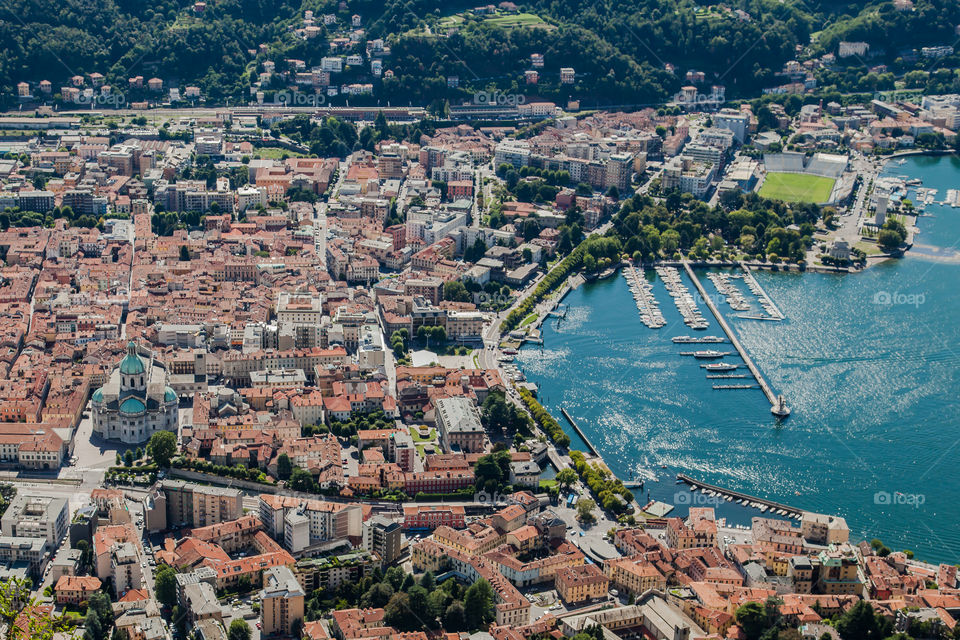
point(767, 391)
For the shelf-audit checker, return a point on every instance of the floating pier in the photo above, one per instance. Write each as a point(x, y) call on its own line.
point(735, 386)
point(583, 436)
point(765, 301)
point(726, 376)
point(743, 498)
point(775, 403)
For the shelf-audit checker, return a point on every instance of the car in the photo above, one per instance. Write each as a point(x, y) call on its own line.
point(259, 626)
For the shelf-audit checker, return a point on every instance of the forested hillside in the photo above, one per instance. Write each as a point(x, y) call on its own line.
point(619, 48)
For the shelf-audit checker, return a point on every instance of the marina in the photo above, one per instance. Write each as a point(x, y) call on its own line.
point(647, 304)
point(685, 302)
point(644, 406)
point(773, 312)
point(733, 295)
point(777, 403)
point(703, 340)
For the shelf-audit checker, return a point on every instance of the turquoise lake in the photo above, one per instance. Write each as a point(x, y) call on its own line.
point(869, 364)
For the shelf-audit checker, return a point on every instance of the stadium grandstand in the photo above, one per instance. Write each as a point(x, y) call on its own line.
point(819, 164)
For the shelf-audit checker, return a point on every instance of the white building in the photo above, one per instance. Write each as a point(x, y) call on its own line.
point(251, 197)
point(136, 401)
point(733, 120)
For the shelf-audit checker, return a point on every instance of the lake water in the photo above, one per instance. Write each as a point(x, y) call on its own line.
point(868, 364)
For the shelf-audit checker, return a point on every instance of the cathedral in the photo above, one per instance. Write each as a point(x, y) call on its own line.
point(136, 401)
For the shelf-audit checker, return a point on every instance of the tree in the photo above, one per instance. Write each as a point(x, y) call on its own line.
point(166, 585)
point(455, 291)
point(163, 446)
point(427, 581)
point(377, 596)
point(93, 630)
point(566, 477)
point(861, 623)
point(478, 604)
point(752, 618)
point(128, 458)
point(419, 606)
point(100, 602)
point(585, 507)
point(394, 577)
point(455, 618)
point(397, 613)
point(301, 480)
point(239, 630)
point(184, 253)
point(16, 604)
point(284, 466)
point(889, 240)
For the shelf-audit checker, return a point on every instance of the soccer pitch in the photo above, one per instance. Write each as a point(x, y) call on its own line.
point(797, 187)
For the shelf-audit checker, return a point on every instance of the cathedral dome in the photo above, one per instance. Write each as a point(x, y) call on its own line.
point(132, 364)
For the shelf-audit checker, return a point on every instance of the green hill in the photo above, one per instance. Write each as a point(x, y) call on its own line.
point(619, 48)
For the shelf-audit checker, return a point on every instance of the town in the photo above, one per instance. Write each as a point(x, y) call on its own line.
point(258, 380)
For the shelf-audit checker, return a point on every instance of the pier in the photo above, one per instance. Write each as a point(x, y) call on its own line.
point(765, 301)
point(767, 391)
point(583, 436)
point(748, 500)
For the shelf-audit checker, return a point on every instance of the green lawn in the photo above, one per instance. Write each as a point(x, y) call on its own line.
point(275, 153)
point(530, 319)
point(415, 433)
point(515, 20)
point(797, 187)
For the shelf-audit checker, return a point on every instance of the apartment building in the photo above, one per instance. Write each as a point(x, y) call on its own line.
point(281, 602)
point(326, 520)
point(36, 517)
point(184, 504)
point(581, 584)
point(382, 537)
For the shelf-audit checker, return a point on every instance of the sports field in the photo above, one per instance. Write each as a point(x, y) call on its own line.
point(797, 187)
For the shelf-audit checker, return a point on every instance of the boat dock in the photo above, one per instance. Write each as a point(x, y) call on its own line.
point(767, 391)
point(583, 436)
point(742, 498)
point(765, 300)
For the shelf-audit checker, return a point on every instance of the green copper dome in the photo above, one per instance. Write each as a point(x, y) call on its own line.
point(169, 395)
point(132, 364)
point(132, 405)
point(98, 395)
